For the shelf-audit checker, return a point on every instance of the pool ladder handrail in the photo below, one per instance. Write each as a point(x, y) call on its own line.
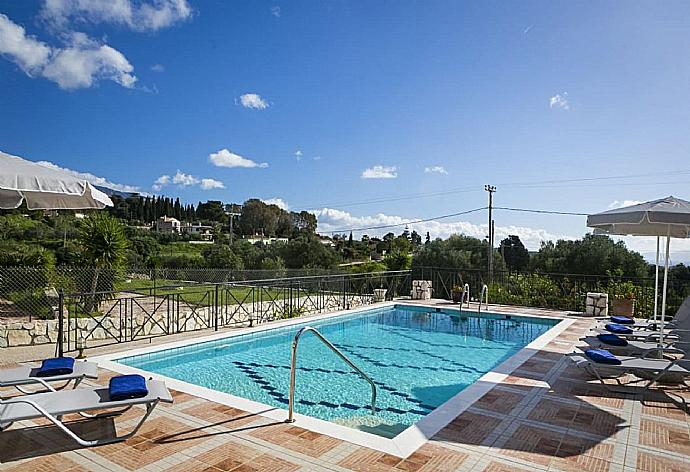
point(465, 295)
point(483, 295)
point(293, 370)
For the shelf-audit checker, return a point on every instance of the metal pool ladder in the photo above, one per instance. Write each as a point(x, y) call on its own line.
point(293, 369)
point(484, 295)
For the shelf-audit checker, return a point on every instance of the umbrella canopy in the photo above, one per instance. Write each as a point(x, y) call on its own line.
point(44, 188)
point(668, 216)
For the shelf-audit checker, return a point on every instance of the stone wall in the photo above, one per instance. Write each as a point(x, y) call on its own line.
point(148, 318)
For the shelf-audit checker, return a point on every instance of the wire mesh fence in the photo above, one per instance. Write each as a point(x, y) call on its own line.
point(28, 293)
point(558, 291)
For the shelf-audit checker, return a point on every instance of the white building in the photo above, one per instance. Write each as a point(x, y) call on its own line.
point(205, 232)
point(265, 240)
point(166, 224)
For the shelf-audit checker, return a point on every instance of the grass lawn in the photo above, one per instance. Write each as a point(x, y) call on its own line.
point(181, 248)
point(200, 294)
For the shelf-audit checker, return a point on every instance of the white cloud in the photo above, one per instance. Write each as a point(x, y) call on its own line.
point(158, 68)
point(279, 202)
point(275, 11)
point(139, 16)
point(27, 52)
point(528, 29)
point(380, 172)
point(209, 184)
point(298, 155)
point(89, 177)
point(560, 100)
point(85, 61)
point(623, 203)
point(226, 158)
point(78, 65)
point(254, 101)
point(435, 170)
point(331, 219)
point(316, 158)
point(186, 180)
point(160, 182)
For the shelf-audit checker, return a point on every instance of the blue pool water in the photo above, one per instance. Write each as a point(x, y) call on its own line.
point(418, 358)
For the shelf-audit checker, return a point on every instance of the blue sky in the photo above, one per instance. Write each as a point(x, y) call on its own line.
point(435, 96)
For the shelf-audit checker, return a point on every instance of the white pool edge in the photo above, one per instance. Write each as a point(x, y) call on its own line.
point(404, 443)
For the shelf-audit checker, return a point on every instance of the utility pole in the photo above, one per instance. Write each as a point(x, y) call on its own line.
point(491, 189)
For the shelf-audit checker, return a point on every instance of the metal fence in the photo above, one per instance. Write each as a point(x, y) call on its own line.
point(28, 293)
point(106, 317)
point(104, 306)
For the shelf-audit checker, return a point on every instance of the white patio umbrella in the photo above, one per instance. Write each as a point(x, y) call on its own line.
point(45, 188)
point(669, 217)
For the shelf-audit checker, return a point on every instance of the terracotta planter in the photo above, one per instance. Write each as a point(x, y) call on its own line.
point(457, 296)
point(623, 307)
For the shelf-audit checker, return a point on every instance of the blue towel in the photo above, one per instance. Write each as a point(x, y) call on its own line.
point(56, 366)
point(602, 356)
point(624, 320)
point(612, 340)
point(618, 328)
point(123, 387)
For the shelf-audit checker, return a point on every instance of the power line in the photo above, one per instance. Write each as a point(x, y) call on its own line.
point(345, 230)
point(551, 183)
point(467, 212)
point(548, 212)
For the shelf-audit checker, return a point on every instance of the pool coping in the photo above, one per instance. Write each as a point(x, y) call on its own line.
point(403, 444)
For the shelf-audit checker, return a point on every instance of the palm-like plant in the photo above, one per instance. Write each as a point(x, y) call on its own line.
point(104, 245)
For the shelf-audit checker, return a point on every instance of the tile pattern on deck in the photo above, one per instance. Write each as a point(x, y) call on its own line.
point(544, 416)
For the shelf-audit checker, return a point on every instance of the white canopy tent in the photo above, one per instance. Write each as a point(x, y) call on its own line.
point(669, 217)
point(45, 188)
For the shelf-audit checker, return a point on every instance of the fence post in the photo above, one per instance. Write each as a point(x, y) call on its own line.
point(215, 322)
point(61, 320)
point(344, 294)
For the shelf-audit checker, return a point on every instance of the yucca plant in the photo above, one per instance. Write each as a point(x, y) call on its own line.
point(104, 246)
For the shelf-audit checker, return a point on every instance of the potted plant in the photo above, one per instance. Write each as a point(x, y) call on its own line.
point(624, 306)
point(457, 293)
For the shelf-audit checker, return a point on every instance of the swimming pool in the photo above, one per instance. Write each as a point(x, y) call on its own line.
point(418, 357)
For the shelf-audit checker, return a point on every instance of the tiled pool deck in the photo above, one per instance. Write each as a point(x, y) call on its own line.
point(546, 415)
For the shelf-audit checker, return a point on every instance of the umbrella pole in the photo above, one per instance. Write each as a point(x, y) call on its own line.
point(656, 280)
point(663, 297)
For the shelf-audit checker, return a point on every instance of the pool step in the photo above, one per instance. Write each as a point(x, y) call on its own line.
point(372, 424)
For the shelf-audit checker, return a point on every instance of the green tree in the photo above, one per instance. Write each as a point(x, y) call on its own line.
point(397, 260)
point(220, 256)
point(514, 253)
point(592, 255)
point(212, 211)
point(456, 252)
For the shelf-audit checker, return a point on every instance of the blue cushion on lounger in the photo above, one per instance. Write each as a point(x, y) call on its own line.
point(612, 339)
point(624, 320)
point(123, 387)
point(56, 366)
point(602, 356)
point(618, 328)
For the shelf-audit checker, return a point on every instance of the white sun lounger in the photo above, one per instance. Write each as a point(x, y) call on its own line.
point(657, 367)
point(634, 348)
point(25, 375)
point(52, 405)
point(678, 321)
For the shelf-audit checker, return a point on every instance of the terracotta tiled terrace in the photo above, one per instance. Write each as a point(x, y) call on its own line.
point(546, 415)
